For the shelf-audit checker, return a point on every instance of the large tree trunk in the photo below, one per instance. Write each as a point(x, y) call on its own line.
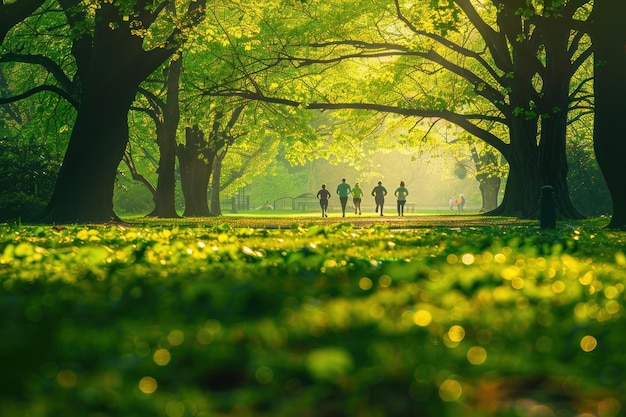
point(111, 65)
point(196, 164)
point(609, 40)
point(553, 164)
point(84, 187)
point(521, 193)
point(165, 200)
point(553, 107)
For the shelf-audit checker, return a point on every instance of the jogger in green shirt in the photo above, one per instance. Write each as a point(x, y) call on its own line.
point(343, 190)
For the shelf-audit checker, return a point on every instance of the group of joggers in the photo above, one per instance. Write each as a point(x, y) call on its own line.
point(345, 191)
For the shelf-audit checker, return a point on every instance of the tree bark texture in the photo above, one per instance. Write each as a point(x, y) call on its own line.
point(553, 109)
point(216, 207)
point(165, 198)
point(111, 65)
point(489, 189)
point(196, 163)
point(609, 41)
point(84, 186)
point(521, 193)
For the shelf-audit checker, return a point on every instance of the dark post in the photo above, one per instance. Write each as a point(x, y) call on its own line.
point(547, 208)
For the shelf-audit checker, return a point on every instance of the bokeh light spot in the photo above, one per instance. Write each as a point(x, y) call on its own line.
point(456, 333)
point(148, 385)
point(467, 259)
point(499, 258)
point(586, 279)
point(175, 337)
point(175, 408)
point(365, 283)
point(609, 407)
point(611, 292)
point(477, 355)
point(612, 307)
point(204, 336)
point(588, 343)
point(558, 287)
point(450, 390)
point(422, 318)
point(384, 281)
point(162, 357)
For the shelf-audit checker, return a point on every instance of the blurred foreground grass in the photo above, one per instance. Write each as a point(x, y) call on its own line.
point(229, 318)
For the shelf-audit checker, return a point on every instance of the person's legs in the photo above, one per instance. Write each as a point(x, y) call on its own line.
point(399, 205)
point(380, 203)
point(402, 208)
point(344, 201)
point(324, 206)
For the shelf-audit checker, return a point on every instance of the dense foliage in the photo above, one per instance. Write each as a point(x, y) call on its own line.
point(212, 319)
point(27, 176)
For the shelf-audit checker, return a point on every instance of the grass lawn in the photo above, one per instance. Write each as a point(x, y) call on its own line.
point(264, 315)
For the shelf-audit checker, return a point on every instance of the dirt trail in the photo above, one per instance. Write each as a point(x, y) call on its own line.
point(393, 222)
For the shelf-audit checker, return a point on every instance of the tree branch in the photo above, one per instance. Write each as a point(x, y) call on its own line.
point(463, 121)
point(13, 13)
point(67, 86)
point(33, 91)
point(481, 86)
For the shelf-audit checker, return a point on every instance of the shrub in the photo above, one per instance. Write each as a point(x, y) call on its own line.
point(27, 176)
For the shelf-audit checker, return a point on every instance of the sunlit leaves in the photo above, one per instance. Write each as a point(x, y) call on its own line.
point(311, 309)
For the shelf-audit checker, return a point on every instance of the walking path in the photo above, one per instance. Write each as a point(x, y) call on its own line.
point(393, 222)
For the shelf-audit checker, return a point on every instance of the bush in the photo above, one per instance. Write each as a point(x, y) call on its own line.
point(27, 176)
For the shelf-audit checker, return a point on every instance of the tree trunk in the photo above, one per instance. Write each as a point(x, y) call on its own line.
point(84, 186)
point(521, 193)
point(165, 200)
point(216, 208)
point(609, 40)
point(195, 170)
point(489, 185)
point(553, 107)
point(111, 65)
point(489, 189)
point(553, 164)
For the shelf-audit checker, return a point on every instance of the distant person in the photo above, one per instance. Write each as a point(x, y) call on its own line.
point(344, 191)
point(323, 196)
point(452, 202)
point(460, 202)
point(401, 192)
point(357, 193)
point(379, 192)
